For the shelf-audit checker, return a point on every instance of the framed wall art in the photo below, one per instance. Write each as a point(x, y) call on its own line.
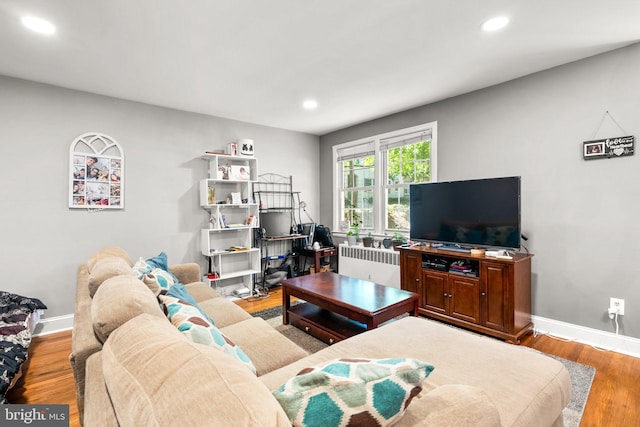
point(96, 176)
point(608, 147)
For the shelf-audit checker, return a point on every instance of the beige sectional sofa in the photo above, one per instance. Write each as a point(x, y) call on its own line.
point(133, 367)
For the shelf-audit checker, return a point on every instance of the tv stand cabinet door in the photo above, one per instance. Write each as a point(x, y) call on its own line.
point(497, 297)
point(435, 291)
point(411, 272)
point(464, 298)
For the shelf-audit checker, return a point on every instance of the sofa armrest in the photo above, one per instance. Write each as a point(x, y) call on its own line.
point(186, 273)
point(98, 409)
point(84, 342)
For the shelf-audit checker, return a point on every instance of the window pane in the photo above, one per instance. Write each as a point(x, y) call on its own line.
point(423, 171)
point(358, 207)
point(408, 170)
point(358, 177)
point(398, 208)
point(409, 164)
point(394, 166)
point(367, 219)
point(423, 150)
point(358, 172)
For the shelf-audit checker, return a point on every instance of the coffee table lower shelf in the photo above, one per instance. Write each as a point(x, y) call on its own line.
point(322, 324)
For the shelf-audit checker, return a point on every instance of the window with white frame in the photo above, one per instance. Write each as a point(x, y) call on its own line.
point(373, 176)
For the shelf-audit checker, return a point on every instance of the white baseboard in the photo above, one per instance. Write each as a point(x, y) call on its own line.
point(52, 325)
point(594, 337)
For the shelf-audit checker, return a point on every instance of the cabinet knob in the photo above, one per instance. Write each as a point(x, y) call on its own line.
point(330, 340)
point(306, 328)
point(445, 295)
point(450, 296)
point(483, 294)
point(417, 280)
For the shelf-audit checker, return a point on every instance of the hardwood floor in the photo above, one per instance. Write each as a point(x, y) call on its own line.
point(613, 401)
point(47, 376)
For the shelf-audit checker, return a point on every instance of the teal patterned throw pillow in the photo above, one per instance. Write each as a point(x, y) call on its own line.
point(180, 292)
point(197, 328)
point(160, 261)
point(156, 278)
point(350, 392)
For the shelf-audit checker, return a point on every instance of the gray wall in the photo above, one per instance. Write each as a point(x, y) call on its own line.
point(43, 241)
point(581, 216)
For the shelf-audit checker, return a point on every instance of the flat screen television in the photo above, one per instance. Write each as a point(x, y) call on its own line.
point(472, 213)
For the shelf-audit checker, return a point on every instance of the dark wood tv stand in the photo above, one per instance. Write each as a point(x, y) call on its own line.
point(494, 298)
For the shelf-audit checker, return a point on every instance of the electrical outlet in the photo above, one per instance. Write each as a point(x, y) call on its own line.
point(617, 304)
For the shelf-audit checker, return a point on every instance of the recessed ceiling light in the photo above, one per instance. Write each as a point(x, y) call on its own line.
point(38, 25)
point(495, 24)
point(310, 104)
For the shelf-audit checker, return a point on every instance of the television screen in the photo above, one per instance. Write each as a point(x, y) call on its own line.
point(473, 213)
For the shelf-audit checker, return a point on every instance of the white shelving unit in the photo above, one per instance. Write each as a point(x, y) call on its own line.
point(233, 214)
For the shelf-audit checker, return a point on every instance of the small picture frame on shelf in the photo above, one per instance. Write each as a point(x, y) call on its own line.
point(233, 148)
point(236, 199)
point(240, 173)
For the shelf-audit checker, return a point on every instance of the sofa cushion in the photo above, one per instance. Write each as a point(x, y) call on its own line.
point(109, 251)
point(353, 392)
point(118, 300)
point(200, 291)
point(194, 326)
point(457, 405)
point(267, 348)
point(106, 268)
point(147, 375)
point(223, 311)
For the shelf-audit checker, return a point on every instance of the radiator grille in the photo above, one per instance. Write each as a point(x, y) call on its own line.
point(370, 254)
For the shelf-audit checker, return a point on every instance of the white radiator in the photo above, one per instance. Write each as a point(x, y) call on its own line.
point(377, 265)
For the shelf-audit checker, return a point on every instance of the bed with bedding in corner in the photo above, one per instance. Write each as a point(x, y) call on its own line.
point(18, 318)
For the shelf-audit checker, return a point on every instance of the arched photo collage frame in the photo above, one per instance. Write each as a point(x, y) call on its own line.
point(96, 177)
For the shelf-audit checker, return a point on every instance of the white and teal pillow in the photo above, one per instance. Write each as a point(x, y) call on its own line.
point(179, 291)
point(198, 329)
point(346, 392)
point(141, 267)
point(156, 278)
point(160, 261)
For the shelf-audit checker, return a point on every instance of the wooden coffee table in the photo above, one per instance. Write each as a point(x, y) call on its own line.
point(338, 307)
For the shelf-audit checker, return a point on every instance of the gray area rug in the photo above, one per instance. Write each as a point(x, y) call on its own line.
point(581, 380)
point(581, 375)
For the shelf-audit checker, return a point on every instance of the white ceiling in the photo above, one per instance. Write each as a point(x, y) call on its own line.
point(257, 60)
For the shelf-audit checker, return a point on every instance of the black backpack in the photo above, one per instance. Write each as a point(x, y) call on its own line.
point(322, 235)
